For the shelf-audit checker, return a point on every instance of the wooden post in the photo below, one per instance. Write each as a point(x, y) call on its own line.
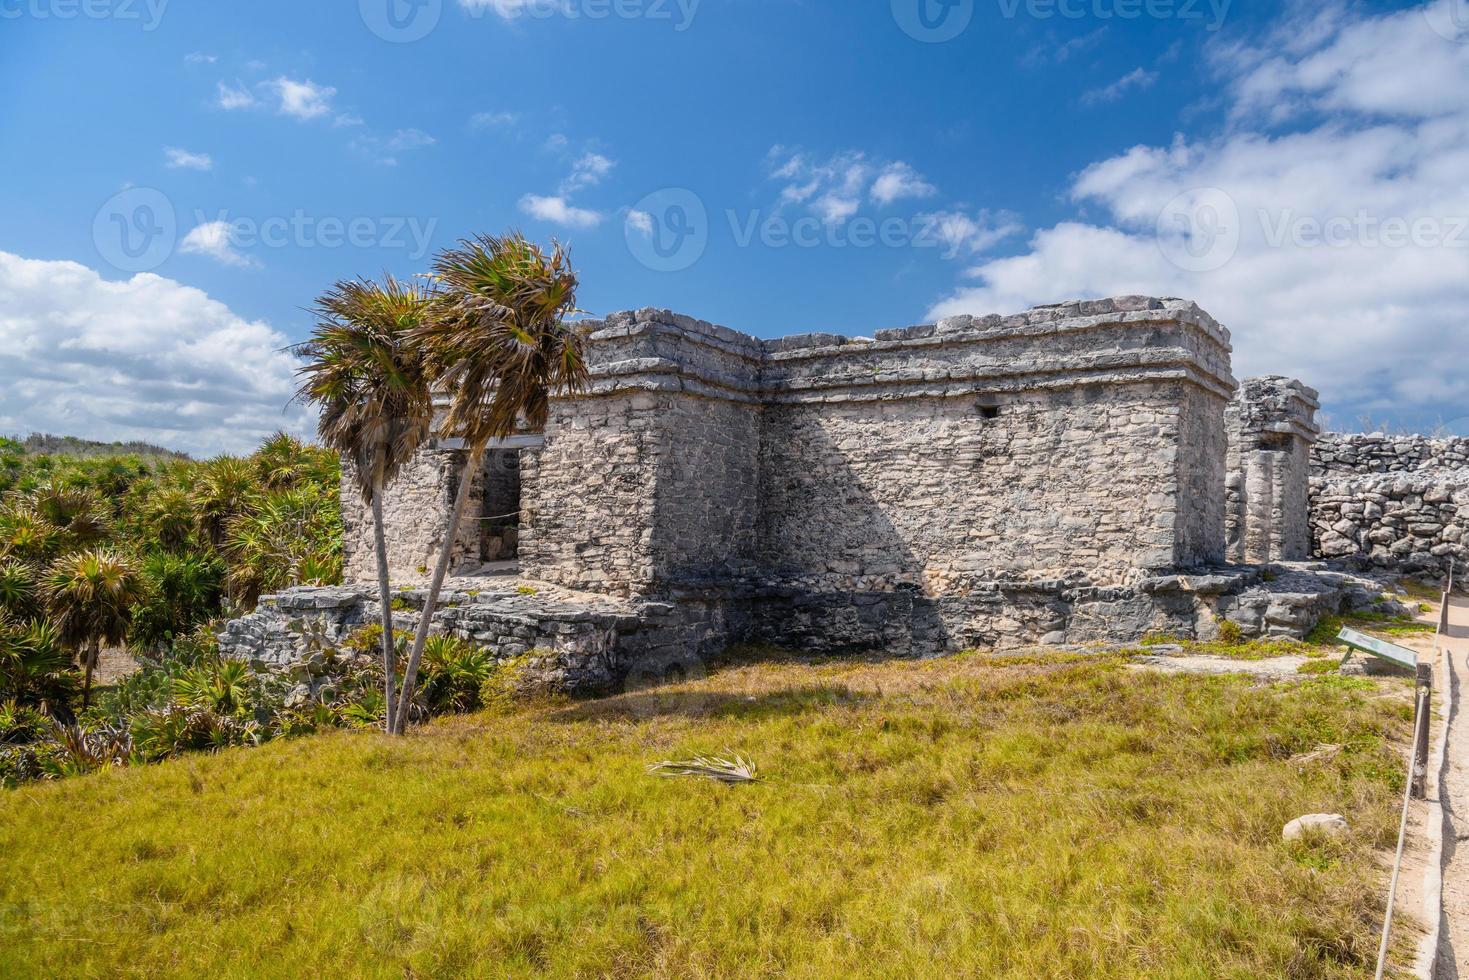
point(1424, 702)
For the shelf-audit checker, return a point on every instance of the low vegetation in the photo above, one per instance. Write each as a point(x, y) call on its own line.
point(1053, 815)
point(106, 549)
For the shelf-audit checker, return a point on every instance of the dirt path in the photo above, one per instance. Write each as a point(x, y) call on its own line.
point(1454, 938)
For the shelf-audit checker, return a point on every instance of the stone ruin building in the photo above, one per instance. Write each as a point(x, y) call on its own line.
point(1081, 471)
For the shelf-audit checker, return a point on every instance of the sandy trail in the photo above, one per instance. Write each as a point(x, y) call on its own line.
point(1453, 958)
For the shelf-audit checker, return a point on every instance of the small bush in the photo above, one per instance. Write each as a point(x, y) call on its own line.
point(1230, 633)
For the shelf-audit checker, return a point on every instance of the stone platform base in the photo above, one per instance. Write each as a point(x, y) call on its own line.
point(588, 643)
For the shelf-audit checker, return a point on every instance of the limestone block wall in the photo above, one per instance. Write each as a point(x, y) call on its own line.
point(1271, 426)
point(1082, 440)
point(1398, 501)
point(415, 515)
point(1377, 452)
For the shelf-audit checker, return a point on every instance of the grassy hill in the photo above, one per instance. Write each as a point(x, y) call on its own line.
point(977, 815)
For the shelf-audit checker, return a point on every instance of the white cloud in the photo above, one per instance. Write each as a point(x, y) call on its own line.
point(897, 181)
point(178, 158)
point(200, 58)
point(511, 9)
point(235, 96)
point(212, 239)
point(1331, 159)
point(385, 150)
point(143, 358)
point(1139, 79)
point(640, 221)
point(302, 99)
point(493, 120)
point(587, 171)
point(833, 189)
point(963, 234)
point(558, 211)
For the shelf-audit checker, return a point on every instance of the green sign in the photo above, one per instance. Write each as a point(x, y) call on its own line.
point(1401, 656)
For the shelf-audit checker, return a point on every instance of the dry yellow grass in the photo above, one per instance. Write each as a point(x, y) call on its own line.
point(1035, 817)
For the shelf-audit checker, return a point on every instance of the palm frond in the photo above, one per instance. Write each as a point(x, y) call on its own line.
point(735, 770)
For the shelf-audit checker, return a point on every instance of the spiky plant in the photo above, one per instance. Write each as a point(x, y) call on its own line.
point(497, 346)
point(369, 381)
point(90, 595)
point(79, 514)
point(35, 668)
point(26, 535)
point(17, 590)
point(226, 489)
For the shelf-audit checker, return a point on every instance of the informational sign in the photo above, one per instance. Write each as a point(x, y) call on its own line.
point(1401, 656)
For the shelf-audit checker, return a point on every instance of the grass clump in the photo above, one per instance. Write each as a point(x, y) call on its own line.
point(965, 816)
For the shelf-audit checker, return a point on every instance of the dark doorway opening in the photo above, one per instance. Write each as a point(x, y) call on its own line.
point(500, 509)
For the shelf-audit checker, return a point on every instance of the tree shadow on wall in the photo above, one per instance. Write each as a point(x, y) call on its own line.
point(842, 499)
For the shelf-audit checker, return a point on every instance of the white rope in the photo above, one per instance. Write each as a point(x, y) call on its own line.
point(1397, 865)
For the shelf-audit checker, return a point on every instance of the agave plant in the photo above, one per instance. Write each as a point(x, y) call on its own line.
point(370, 384)
point(498, 346)
point(90, 595)
point(88, 749)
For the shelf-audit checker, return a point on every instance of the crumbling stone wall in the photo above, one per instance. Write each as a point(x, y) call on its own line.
point(1377, 452)
point(976, 465)
point(1271, 425)
point(1398, 501)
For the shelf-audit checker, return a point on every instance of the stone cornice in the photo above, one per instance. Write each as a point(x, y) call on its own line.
point(656, 350)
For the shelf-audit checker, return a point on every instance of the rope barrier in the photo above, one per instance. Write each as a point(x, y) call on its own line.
point(1422, 706)
point(1397, 865)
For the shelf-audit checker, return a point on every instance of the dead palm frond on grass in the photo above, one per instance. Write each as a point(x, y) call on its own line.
point(733, 770)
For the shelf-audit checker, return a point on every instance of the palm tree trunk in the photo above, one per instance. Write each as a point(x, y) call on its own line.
point(91, 658)
point(441, 568)
point(390, 658)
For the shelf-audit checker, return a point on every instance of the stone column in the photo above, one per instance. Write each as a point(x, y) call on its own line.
point(1271, 427)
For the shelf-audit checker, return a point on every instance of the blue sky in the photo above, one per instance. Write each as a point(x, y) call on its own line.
point(1040, 153)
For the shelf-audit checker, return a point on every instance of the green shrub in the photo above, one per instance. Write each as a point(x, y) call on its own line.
point(1230, 633)
point(454, 670)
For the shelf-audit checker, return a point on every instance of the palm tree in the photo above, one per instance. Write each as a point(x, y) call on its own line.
point(370, 383)
point(90, 595)
point(226, 489)
point(497, 346)
point(81, 515)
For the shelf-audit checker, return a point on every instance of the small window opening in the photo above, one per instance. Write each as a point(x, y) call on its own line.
point(1275, 442)
point(989, 411)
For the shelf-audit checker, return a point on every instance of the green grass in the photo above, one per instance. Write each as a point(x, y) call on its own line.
point(975, 815)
